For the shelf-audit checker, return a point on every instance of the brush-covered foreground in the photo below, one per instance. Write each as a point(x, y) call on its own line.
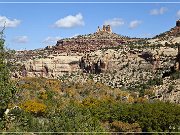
point(47, 105)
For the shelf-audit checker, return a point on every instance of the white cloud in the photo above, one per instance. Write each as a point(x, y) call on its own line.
point(114, 22)
point(4, 21)
point(178, 13)
point(51, 40)
point(160, 11)
point(21, 39)
point(70, 21)
point(134, 24)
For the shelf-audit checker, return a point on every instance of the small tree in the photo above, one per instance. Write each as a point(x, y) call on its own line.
point(7, 90)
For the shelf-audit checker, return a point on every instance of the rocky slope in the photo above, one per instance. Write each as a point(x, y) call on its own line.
point(134, 70)
point(91, 42)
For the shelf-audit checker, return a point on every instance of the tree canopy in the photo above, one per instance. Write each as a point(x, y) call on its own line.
point(7, 89)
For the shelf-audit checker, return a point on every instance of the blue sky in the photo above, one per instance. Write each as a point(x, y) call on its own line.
point(31, 26)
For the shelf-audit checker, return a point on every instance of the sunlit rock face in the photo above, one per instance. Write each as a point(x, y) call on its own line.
point(50, 67)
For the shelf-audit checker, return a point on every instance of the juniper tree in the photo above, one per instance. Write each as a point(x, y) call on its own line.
point(7, 90)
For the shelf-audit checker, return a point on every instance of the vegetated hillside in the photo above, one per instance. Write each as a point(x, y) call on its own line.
point(49, 105)
point(175, 32)
point(171, 36)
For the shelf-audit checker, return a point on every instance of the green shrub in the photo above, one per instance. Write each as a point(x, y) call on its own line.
point(7, 90)
point(34, 107)
point(175, 75)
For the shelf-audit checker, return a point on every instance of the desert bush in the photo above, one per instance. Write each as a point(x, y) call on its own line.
point(34, 107)
point(119, 126)
point(175, 75)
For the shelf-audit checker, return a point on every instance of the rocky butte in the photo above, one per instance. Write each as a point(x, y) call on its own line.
point(102, 38)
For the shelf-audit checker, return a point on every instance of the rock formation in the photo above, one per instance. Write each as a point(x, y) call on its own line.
point(92, 42)
point(105, 28)
point(178, 59)
point(178, 23)
point(50, 67)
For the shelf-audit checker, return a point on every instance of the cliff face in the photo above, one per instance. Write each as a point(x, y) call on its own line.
point(50, 67)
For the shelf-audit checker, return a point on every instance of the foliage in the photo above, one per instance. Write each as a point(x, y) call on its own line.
point(155, 81)
point(143, 87)
point(75, 119)
point(34, 107)
point(90, 107)
point(7, 88)
point(170, 88)
point(119, 126)
point(151, 117)
point(175, 75)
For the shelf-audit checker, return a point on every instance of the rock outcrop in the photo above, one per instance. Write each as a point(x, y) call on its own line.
point(105, 28)
point(50, 67)
point(178, 23)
